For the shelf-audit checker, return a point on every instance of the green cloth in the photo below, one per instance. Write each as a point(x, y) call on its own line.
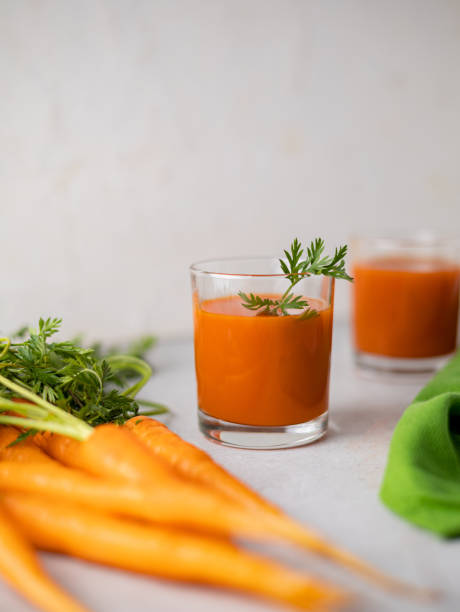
point(422, 477)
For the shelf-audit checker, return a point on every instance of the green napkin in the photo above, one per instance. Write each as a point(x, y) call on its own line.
point(422, 477)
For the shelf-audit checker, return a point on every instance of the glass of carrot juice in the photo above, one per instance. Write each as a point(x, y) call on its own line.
point(262, 380)
point(405, 302)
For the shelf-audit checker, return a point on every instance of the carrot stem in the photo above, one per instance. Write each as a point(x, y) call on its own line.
point(156, 408)
point(74, 427)
point(129, 362)
point(6, 346)
point(24, 408)
point(42, 425)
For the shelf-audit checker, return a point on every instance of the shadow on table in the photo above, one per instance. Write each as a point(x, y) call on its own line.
point(353, 421)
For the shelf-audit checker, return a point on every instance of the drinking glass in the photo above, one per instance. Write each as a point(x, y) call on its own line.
point(405, 302)
point(262, 381)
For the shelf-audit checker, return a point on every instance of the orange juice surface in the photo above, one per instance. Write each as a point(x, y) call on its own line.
point(261, 370)
point(405, 307)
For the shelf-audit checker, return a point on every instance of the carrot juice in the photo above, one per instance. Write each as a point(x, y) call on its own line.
point(261, 370)
point(263, 332)
point(405, 307)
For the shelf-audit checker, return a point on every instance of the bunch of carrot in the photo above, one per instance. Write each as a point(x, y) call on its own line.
point(112, 500)
point(139, 497)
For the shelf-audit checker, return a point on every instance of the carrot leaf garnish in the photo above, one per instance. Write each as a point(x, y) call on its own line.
point(298, 264)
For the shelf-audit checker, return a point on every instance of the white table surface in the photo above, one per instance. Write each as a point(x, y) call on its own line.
point(331, 485)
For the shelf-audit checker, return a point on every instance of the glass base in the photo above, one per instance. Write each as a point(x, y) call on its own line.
point(397, 365)
point(262, 437)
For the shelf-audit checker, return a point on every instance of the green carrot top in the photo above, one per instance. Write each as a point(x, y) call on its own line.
point(66, 378)
point(298, 264)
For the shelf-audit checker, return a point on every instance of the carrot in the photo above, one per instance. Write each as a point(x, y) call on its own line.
point(194, 464)
point(19, 566)
point(114, 452)
point(110, 451)
point(178, 504)
point(26, 450)
point(100, 538)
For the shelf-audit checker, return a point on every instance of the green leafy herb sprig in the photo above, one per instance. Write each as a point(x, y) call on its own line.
point(298, 264)
point(86, 382)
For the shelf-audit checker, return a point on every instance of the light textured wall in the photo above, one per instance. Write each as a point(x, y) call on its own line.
point(137, 137)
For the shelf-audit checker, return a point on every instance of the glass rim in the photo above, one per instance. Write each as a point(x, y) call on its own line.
point(199, 268)
point(406, 239)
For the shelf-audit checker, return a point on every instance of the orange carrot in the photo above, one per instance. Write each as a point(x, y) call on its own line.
point(193, 463)
point(180, 556)
point(110, 451)
point(26, 450)
point(115, 452)
point(20, 568)
point(196, 465)
point(178, 504)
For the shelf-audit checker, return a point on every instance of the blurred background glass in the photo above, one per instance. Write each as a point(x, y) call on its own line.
point(405, 301)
